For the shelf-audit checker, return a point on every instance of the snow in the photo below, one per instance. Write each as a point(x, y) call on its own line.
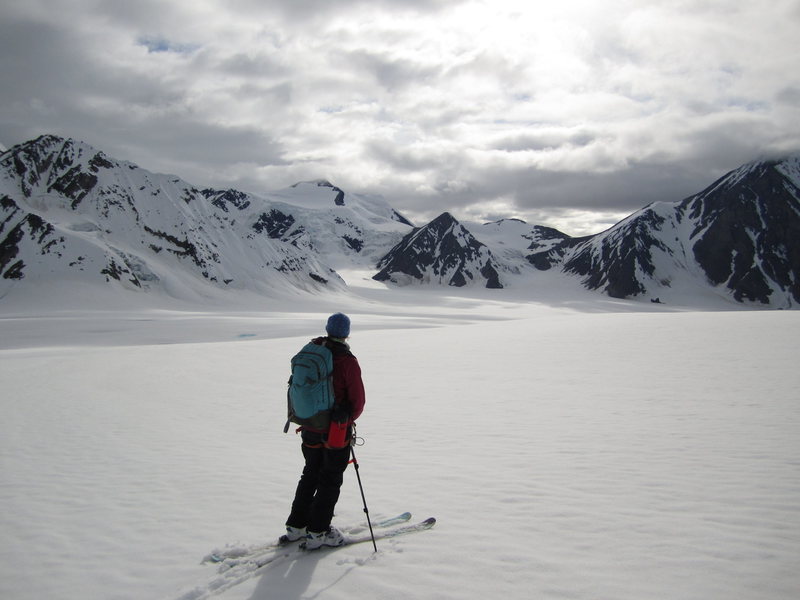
point(155, 234)
point(791, 169)
point(587, 448)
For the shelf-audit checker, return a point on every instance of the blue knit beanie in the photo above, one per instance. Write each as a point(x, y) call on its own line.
point(338, 326)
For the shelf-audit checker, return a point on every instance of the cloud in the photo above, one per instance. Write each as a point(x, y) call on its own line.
point(571, 112)
point(162, 44)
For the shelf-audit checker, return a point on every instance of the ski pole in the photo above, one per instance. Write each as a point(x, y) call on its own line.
point(361, 487)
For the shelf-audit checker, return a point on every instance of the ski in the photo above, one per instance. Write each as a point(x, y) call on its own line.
point(241, 552)
point(233, 571)
point(349, 540)
point(261, 561)
point(382, 524)
point(258, 563)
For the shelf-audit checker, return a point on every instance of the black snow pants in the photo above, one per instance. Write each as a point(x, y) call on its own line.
point(318, 489)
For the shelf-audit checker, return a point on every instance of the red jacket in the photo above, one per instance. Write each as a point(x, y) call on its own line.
point(348, 388)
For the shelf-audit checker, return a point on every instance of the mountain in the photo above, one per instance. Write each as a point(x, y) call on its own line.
point(747, 231)
point(71, 214)
point(442, 252)
point(741, 236)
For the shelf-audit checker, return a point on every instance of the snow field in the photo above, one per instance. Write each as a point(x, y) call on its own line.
point(565, 454)
point(614, 456)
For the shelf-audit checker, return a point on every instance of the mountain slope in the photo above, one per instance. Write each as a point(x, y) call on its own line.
point(746, 231)
point(741, 236)
point(72, 214)
point(443, 252)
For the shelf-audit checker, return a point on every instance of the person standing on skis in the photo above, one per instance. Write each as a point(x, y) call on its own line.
point(318, 489)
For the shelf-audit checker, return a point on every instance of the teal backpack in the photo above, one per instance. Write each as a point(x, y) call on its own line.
point(310, 395)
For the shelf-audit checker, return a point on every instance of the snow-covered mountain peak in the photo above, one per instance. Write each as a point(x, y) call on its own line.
point(70, 213)
point(322, 195)
point(740, 237)
point(787, 167)
point(316, 182)
point(503, 230)
point(443, 251)
point(319, 193)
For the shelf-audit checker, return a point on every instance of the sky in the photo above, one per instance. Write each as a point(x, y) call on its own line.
point(571, 114)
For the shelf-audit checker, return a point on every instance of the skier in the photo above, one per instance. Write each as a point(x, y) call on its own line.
point(318, 488)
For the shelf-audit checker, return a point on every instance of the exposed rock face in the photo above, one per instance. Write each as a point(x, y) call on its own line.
point(746, 231)
point(442, 251)
point(742, 234)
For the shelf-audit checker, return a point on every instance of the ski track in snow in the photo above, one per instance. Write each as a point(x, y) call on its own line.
point(566, 454)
